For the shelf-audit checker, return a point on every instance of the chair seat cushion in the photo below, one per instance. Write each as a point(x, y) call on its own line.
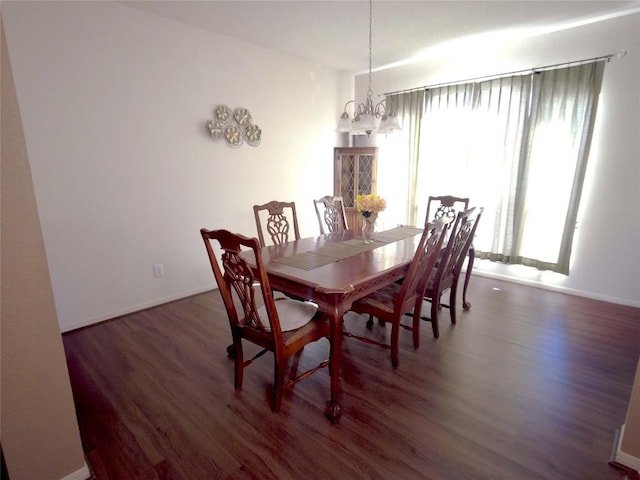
point(293, 314)
point(382, 299)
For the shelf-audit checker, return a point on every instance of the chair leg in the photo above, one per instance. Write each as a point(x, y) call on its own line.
point(238, 357)
point(453, 293)
point(395, 334)
point(416, 317)
point(472, 256)
point(278, 384)
point(415, 330)
point(435, 306)
point(381, 322)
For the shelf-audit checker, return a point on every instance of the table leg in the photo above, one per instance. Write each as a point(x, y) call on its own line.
point(334, 409)
point(472, 256)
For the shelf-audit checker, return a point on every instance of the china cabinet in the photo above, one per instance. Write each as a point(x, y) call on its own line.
point(354, 173)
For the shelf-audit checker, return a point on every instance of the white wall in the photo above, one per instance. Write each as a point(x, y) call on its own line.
point(114, 103)
point(606, 255)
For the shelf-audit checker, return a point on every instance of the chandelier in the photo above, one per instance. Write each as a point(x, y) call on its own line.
point(366, 115)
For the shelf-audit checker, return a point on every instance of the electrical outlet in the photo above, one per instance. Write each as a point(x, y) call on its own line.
point(158, 270)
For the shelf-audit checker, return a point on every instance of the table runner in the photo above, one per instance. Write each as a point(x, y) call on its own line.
point(338, 251)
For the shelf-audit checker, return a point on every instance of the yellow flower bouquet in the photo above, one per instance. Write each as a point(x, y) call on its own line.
point(369, 204)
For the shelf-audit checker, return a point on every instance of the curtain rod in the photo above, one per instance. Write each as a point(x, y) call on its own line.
point(608, 57)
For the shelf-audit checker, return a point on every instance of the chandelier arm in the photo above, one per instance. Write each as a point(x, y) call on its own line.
point(381, 108)
point(345, 114)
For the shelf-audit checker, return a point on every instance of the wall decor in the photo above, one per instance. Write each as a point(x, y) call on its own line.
point(235, 127)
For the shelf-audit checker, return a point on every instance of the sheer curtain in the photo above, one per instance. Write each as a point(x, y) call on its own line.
point(554, 164)
point(471, 136)
point(446, 119)
point(402, 151)
point(515, 145)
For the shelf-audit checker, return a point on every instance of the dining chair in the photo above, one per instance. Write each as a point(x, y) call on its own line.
point(283, 326)
point(331, 214)
point(390, 302)
point(276, 218)
point(447, 272)
point(448, 207)
point(445, 207)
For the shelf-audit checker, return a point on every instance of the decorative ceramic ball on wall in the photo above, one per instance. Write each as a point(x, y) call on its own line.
point(234, 127)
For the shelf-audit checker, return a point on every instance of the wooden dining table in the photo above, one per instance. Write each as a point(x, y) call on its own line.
point(334, 270)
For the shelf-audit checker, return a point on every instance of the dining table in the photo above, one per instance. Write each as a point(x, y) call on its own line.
point(333, 270)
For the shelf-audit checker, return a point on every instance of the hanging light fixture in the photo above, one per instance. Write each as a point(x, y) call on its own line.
point(366, 115)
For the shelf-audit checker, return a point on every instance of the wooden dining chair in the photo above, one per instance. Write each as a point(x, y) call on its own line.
point(447, 272)
point(277, 219)
point(283, 326)
point(331, 214)
point(447, 207)
point(390, 302)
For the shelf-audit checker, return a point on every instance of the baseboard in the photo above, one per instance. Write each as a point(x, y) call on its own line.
point(623, 458)
point(82, 474)
point(135, 308)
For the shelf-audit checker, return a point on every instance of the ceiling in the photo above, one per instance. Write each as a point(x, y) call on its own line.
point(336, 33)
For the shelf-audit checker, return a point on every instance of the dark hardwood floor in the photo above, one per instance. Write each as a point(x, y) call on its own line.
point(529, 385)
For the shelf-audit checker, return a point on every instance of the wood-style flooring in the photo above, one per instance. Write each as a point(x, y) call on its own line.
point(529, 385)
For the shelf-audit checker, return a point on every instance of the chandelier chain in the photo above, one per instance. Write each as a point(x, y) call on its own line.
point(370, 91)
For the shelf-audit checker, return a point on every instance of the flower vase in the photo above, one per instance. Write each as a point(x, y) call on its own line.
point(369, 227)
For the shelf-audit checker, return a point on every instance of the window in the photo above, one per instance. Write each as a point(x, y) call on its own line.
point(517, 146)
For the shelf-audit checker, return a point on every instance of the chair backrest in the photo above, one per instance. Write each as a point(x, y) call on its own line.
point(445, 207)
point(458, 244)
point(276, 218)
point(235, 279)
point(331, 214)
point(423, 262)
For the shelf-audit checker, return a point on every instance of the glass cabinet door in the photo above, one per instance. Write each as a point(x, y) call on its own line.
point(354, 173)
